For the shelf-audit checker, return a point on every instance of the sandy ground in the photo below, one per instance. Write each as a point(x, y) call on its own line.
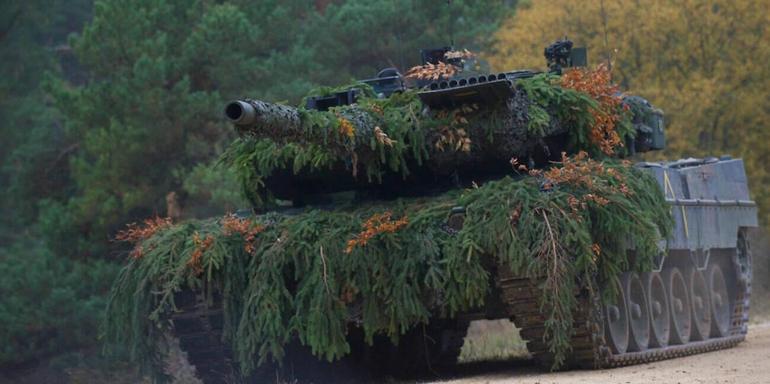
point(749, 362)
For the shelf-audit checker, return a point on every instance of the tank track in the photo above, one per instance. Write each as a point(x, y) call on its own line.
point(198, 326)
point(422, 351)
point(590, 350)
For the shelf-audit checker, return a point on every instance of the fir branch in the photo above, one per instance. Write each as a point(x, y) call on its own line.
point(292, 278)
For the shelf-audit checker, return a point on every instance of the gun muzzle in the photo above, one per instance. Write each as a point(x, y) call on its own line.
point(263, 119)
point(241, 112)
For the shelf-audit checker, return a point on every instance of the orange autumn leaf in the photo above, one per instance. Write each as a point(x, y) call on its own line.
point(201, 246)
point(346, 127)
point(373, 226)
point(232, 224)
point(591, 175)
point(383, 137)
point(432, 71)
point(135, 233)
point(598, 84)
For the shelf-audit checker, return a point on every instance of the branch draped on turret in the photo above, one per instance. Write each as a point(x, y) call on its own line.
point(470, 133)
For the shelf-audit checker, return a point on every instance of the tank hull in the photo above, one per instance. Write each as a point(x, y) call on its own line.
point(695, 300)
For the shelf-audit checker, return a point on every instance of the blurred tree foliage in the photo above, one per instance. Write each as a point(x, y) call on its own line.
point(33, 163)
point(48, 303)
point(705, 63)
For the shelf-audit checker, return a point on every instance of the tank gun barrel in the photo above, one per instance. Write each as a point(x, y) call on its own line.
point(263, 119)
point(240, 112)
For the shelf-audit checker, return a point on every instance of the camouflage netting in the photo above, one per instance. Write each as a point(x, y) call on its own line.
point(391, 265)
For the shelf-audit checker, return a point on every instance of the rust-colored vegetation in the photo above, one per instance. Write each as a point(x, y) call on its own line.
point(232, 225)
point(136, 233)
point(375, 225)
point(598, 84)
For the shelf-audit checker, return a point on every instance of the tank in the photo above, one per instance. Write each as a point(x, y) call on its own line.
point(681, 286)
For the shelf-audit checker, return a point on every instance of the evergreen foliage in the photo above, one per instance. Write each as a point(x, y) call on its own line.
point(285, 276)
point(33, 164)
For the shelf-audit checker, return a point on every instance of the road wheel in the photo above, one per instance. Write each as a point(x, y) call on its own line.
point(616, 325)
point(721, 308)
point(679, 302)
point(701, 305)
point(660, 318)
point(638, 312)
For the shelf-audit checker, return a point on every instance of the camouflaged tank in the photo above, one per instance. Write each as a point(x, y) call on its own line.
point(694, 299)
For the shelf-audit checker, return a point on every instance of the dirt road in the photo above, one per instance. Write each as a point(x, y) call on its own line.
point(747, 363)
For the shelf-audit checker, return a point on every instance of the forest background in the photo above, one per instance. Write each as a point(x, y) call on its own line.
point(107, 107)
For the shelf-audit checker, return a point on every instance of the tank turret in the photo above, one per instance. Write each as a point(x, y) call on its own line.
point(440, 124)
